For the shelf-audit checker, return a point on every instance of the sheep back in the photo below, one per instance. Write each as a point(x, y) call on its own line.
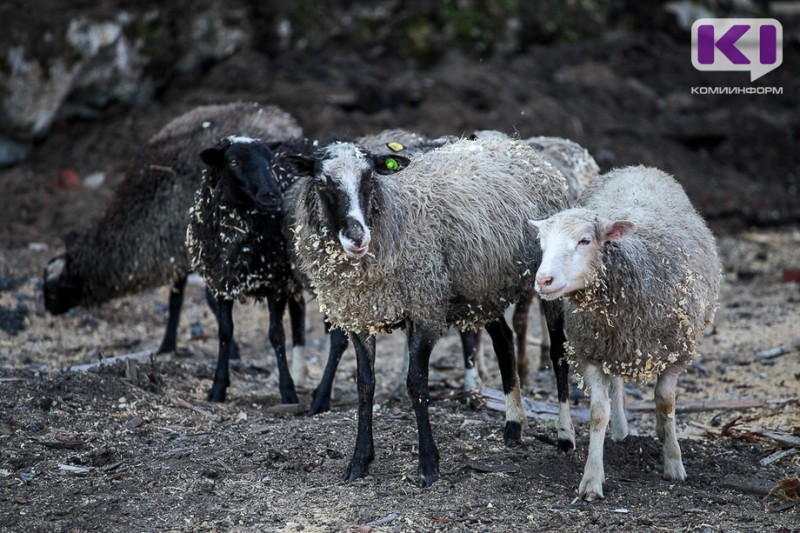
point(140, 241)
point(449, 243)
point(654, 291)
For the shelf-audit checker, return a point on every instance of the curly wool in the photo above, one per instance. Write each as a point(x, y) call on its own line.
point(449, 242)
point(140, 241)
point(656, 290)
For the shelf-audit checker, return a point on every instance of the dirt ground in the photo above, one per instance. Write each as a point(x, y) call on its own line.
point(136, 447)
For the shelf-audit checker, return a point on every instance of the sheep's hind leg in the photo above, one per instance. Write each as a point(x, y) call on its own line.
point(555, 326)
point(469, 346)
point(297, 316)
point(222, 374)
point(591, 487)
point(520, 323)
point(322, 394)
point(665, 424)
point(420, 345)
point(619, 424)
point(365, 449)
point(503, 342)
point(214, 306)
point(277, 337)
point(169, 342)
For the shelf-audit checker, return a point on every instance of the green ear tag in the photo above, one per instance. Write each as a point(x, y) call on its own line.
point(395, 146)
point(391, 164)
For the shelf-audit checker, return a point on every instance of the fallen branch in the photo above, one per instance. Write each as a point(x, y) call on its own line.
point(93, 367)
point(777, 456)
point(533, 408)
point(699, 406)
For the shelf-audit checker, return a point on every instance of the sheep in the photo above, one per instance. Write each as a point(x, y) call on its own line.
point(237, 240)
point(637, 269)
point(140, 241)
point(433, 245)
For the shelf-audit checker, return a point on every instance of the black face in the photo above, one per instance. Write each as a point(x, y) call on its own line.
point(61, 292)
point(247, 168)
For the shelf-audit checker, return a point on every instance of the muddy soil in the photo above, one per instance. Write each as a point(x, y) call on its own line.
point(136, 448)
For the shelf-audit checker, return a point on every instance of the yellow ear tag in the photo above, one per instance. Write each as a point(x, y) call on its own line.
point(395, 147)
point(391, 164)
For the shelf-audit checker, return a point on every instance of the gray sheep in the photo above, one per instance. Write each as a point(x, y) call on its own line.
point(638, 271)
point(140, 241)
point(439, 243)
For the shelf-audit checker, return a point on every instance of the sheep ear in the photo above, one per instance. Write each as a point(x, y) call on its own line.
point(297, 164)
point(536, 224)
point(389, 164)
point(213, 157)
point(617, 230)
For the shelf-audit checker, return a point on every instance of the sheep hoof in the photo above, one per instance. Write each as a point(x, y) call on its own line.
point(674, 470)
point(512, 435)
point(426, 479)
point(565, 445)
point(591, 490)
point(358, 467)
point(592, 496)
point(217, 393)
point(289, 396)
point(321, 403)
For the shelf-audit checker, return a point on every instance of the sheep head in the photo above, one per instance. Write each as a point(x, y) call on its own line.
point(344, 178)
point(572, 242)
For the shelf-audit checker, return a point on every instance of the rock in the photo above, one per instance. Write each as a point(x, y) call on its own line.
point(12, 152)
point(94, 180)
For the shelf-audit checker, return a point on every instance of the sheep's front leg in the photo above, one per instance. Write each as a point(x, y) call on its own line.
point(591, 487)
point(619, 424)
point(554, 323)
point(277, 337)
point(665, 424)
point(169, 342)
point(544, 355)
point(420, 345)
point(214, 306)
point(297, 316)
point(365, 380)
point(222, 375)
point(503, 342)
point(322, 394)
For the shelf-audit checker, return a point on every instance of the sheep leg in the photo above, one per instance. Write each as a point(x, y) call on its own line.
point(173, 316)
point(544, 354)
point(591, 487)
point(365, 363)
point(469, 345)
point(297, 317)
point(420, 345)
point(277, 337)
point(222, 375)
point(214, 306)
point(322, 394)
point(619, 424)
point(503, 342)
point(665, 424)
point(555, 326)
point(520, 323)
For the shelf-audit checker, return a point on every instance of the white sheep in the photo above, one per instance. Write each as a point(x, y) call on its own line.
point(439, 243)
point(638, 271)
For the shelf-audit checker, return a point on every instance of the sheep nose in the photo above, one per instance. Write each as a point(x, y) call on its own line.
point(354, 231)
point(544, 281)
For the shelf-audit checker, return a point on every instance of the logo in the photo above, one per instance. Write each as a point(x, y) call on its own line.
point(754, 45)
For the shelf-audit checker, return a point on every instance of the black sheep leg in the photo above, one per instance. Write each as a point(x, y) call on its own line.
point(277, 337)
point(420, 345)
point(520, 322)
point(503, 343)
point(222, 375)
point(214, 306)
point(297, 317)
point(322, 394)
point(365, 449)
point(169, 342)
point(554, 315)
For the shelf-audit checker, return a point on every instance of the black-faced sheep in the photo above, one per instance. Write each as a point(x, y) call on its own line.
point(140, 241)
point(238, 241)
point(439, 243)
point(638, 271)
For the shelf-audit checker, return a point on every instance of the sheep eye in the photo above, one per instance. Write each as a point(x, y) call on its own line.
point(585, 241)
